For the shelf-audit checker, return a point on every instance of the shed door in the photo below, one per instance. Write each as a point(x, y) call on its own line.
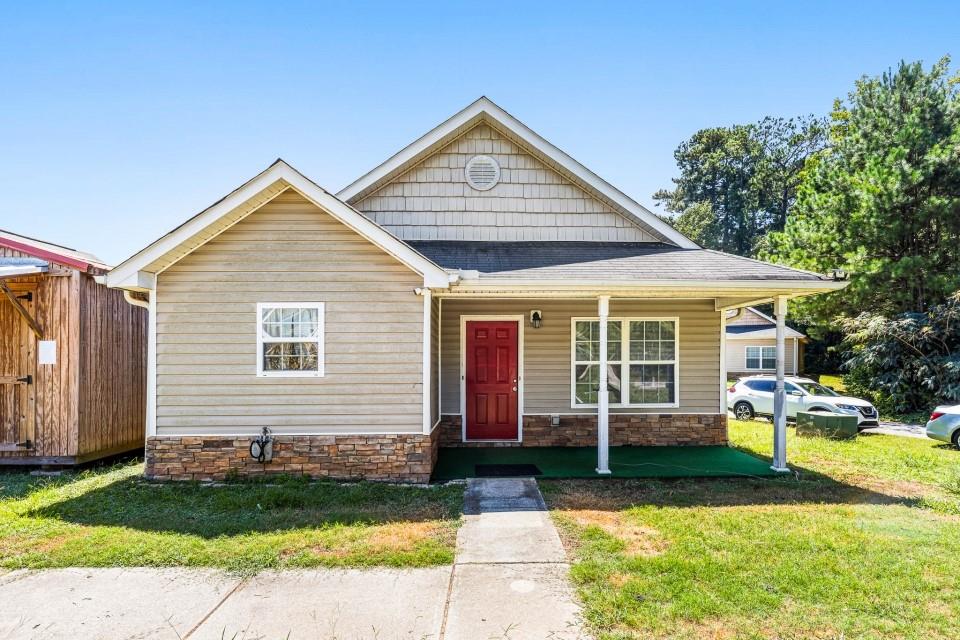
point(17, 371)
point(492, 380)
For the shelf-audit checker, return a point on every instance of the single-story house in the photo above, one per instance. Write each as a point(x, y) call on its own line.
point(478, 288)
point(72, 358)
point(752, 344)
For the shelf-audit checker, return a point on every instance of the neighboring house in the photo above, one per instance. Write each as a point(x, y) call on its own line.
point(459, 294)
point(752, 344)
point(72, 358)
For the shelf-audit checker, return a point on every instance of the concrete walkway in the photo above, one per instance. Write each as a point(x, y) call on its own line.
point(509, 582)
point(196, 604)
point(510, 575)
point(899, 429)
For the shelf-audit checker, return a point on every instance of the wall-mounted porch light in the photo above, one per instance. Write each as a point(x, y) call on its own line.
point(536, 318)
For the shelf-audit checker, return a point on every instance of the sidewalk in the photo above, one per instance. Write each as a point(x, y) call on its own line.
point(509, 581)
point(510, 574)
point(196, 604)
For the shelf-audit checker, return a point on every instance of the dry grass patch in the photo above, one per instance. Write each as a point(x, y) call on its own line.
point(386, 539)
point(637, 539)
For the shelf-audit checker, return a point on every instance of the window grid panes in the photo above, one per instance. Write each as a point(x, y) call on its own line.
point(291, 339)
point(587, 361)
point(761, 357)
point(642, 362)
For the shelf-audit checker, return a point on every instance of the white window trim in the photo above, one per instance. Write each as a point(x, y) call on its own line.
point(261, 307)
point(746, 357)
point(625, 359)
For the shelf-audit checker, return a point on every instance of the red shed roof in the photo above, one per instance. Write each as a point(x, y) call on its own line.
point(54, 252)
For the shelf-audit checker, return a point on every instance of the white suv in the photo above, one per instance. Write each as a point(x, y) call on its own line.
point(753, 396)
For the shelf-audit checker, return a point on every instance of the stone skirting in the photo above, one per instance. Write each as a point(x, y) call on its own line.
point(640, 430)
point(396, 458)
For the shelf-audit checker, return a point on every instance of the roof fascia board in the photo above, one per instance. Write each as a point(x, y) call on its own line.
point(129, 274)
point(822, 286)
point(485, 108)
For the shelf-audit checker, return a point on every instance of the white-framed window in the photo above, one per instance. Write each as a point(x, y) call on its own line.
point(761, 358)
point(290, 339)
point(642, 362)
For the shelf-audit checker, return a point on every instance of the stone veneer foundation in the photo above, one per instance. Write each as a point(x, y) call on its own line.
point(639, 430)
point(395, 458)
point(408, 458)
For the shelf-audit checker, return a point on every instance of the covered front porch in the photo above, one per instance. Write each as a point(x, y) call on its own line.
point(610, 385)
point(581, 462)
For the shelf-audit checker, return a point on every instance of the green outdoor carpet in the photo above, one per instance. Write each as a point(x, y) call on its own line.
point(625, 462)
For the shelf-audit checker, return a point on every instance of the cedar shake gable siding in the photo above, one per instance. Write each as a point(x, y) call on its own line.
point(432, 200)
point(289, 251)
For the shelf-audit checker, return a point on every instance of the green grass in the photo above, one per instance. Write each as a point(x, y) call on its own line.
point(112, 517)
point(862, 542)
point(835, 381)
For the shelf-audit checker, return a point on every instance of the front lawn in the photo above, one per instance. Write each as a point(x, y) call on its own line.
point(862, 543)
point(112, 517)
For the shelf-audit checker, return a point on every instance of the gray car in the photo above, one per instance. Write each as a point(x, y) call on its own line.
point(944, 425)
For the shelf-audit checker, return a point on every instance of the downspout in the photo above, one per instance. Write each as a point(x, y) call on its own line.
point(137, 302)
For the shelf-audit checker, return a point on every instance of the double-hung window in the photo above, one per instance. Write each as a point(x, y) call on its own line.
point(761, 357)
point(641, 362)
point(290, 339)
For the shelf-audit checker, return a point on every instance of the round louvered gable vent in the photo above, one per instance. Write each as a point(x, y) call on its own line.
point(482, 172)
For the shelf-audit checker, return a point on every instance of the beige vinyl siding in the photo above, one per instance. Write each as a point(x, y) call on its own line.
point(289, 251)
point(547, 350)
point(737, 354)
point(432, 201)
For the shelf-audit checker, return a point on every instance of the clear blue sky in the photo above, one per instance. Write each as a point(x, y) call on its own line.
point(118, 122)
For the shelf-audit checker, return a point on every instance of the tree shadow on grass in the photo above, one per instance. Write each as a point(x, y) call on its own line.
point(250, 507)
point(801, 486)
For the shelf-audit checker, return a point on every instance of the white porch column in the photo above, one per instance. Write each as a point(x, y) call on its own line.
point(603, 395)
point(780, 395)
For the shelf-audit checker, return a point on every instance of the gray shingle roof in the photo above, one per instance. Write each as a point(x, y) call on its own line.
point(759, 331)
point(607, 261)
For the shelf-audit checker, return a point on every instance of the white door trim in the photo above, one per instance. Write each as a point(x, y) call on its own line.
point(464, 319)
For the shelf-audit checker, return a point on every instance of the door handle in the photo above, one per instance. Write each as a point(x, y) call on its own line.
point(514, 388)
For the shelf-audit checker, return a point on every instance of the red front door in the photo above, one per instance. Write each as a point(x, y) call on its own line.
point(492, 380)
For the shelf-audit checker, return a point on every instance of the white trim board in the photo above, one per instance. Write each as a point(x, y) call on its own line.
point(485, 110)
point(519, 319)
point(132, 274)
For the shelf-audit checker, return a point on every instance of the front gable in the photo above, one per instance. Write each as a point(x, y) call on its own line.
point(139, 272)
point(420, 193)
point(530, 202)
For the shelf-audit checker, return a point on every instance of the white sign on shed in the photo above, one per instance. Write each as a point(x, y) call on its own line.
point(47, 352)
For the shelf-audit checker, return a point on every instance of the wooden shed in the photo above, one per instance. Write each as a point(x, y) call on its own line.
point(73, 358)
